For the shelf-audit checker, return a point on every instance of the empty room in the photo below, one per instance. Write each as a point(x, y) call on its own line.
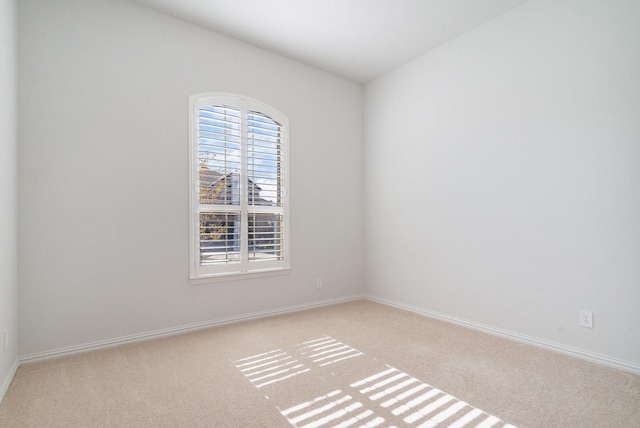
point(336, 213)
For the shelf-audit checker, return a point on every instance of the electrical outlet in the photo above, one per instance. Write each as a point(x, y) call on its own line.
point(318, 282)
point(586, 319)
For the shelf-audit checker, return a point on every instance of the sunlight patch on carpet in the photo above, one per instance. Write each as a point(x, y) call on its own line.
point(388, 396)
point(420, 404)
point(327, 350)
point(321, 411)
point(270, 367)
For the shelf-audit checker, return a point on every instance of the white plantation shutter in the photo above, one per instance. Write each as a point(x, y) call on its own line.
point(219, 169)
point(264, 157)
point(219, 152)
point(239, 209)
point(264, 167)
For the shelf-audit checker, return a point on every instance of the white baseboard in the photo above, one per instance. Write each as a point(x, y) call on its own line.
point(61, 352)
point(552, 346)
point(7, 380)
point(529, 340)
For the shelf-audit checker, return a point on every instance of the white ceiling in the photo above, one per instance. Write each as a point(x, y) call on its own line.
point(357, 39)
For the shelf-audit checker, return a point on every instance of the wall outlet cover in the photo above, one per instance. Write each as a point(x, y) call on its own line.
point(586, 319)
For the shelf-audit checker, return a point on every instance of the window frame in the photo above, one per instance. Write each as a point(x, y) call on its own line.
point(245, 268)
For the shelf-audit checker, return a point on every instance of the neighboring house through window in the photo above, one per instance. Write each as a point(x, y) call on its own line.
point(239, 201)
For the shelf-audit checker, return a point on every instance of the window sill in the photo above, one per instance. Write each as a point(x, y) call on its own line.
point(234, 276)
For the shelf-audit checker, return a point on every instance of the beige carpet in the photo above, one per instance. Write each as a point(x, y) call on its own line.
point(353, 364)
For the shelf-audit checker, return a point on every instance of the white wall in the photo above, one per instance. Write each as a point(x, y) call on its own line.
point(103, 169)
point(8, 190)
point(502, 176)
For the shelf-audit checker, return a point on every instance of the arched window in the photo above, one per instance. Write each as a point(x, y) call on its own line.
point(239, 200)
